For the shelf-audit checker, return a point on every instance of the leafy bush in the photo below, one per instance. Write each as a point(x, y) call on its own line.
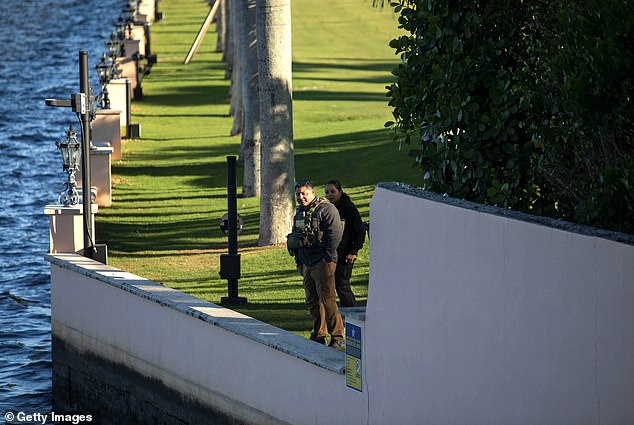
point(585, 115)
point(525, 105)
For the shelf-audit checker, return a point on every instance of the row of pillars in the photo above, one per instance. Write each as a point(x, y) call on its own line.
point(101, 143)
point(72, 227)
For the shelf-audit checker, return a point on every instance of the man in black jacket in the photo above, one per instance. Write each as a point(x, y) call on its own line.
point(351, 241)
point(316, 234)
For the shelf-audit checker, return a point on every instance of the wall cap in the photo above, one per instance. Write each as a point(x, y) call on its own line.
point(216, 315)
point(515, 215)
point(78, 209)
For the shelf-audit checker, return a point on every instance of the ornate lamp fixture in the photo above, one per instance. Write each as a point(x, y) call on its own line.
point(129, 30)
point(104, 70)
point(113, 45)
point(129, 13)
point(119, 28)
point(70, 150)
point(92, 109)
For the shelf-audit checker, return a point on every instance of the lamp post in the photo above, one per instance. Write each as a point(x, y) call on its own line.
point(104, 70)
point(69, 149)
point(128, 13)
point(119, 27)
point(120, 30)
point(92, 109)
point(79, 103)
point(129, 30)
point(84, 118)
point(113, 45)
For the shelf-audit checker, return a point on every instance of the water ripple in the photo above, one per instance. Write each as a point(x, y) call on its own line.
point(45, 66)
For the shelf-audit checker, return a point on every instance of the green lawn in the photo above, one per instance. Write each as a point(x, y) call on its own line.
point(169, 190)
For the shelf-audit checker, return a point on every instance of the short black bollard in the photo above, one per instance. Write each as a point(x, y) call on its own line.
point(230, 263)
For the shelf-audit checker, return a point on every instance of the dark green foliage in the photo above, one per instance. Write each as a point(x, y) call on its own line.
point(585, 114)
point(610, 206)
point(525, 105)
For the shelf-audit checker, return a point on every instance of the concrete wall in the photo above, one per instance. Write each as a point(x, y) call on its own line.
point(477, 315)
point(247, 370)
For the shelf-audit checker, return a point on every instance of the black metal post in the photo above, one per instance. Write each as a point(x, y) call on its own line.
point(230, 263)
point(151, 59)
point(85, 157)
point(232, 205)
point(132, 131)
point(158, 15)
point(146, 35)
point(128, 109)
point(138, 91)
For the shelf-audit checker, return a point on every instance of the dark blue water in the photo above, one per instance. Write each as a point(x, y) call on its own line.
point(40, 42)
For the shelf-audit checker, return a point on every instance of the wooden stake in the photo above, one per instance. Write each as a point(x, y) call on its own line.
point(201, 34)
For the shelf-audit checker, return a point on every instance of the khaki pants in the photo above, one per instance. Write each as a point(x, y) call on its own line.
point(321, 299)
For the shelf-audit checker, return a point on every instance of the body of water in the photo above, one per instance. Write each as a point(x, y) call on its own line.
point(40, 42)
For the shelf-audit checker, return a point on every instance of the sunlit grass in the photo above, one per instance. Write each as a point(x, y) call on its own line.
point(169, 191)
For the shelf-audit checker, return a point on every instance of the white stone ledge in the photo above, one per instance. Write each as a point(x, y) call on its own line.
point(216, 315)
point(511, 214)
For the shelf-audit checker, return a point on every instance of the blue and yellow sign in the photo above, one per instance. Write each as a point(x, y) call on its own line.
point(354, 366)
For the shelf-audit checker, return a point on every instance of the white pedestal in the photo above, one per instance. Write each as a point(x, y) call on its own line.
point(126, 68)
point(138, 33)
point(147, 7)
point(106, 128)
point(140, 19)
point(117, 94)
point(132, 46)
point(67, 228)
point(100, 174)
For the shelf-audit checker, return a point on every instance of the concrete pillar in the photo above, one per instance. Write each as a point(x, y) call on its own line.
point(131, 46)
point(100, 174)
point(147, 7)
point(138, 34)
point(117, 95)
point(140, 19)
point(106, 129)
point(127, 68)
point(67, 228)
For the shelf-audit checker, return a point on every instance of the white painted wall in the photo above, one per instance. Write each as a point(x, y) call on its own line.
point(198, 348)
point(475, 318)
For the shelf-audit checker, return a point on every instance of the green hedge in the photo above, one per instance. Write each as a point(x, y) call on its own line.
point(525, 105)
